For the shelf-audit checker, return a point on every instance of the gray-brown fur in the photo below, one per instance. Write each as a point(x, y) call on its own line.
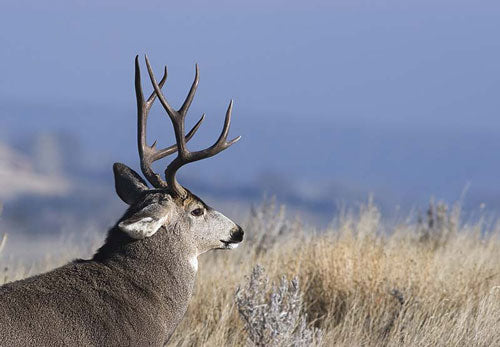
point(131, 293)
point(133, 296)
point(136, 288)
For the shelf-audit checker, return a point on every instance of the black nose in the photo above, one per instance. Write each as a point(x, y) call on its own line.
point(237, 236)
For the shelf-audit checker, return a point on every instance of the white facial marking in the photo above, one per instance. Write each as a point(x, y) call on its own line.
point(194, 263)
point(233, 245)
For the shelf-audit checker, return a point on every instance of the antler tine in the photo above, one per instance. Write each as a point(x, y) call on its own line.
point(189, 98)
point(184, 156)
point(152, 97)
point(172, 149)
point(170, 110)
point(221, 143)
point(225, 130)
point(149, 154)
point(145, 151)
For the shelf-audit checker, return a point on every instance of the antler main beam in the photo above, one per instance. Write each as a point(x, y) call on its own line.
point(184, 156)
point(149, 154)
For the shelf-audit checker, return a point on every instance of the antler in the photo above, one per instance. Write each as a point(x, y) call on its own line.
point(184, 156)
point(149, 154)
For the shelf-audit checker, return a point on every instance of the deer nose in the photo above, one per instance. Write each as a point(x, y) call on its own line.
point(237, 235)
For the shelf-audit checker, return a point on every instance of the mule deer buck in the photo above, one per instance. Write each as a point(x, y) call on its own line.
point(135, 289)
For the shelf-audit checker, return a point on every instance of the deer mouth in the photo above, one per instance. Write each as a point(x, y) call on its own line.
point(234, 240)
point(230, 244)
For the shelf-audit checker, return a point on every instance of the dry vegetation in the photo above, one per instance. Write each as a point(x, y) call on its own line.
point(359, 282)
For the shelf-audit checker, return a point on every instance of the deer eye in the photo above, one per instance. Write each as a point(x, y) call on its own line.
point(197, 212)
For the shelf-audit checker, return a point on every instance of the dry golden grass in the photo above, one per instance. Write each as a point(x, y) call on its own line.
point(363, 282)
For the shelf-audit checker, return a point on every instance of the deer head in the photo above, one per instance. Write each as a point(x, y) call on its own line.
point(168, 206)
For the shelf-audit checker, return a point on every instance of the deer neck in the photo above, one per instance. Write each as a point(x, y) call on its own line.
point(160, 267)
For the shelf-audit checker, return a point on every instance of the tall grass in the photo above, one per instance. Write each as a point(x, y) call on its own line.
point(359, 282)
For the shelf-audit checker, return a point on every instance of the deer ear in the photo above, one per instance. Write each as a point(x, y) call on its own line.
point(144, 223)
point(128, 184)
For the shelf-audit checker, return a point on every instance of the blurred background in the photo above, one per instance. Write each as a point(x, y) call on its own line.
point(335, 101)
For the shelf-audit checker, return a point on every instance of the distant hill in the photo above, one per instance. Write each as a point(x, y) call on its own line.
point(18, 177)
point(57, 172)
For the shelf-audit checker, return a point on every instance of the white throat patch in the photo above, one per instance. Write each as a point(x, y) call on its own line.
point(194, 263)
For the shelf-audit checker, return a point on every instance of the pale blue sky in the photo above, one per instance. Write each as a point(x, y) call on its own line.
point(408, 62)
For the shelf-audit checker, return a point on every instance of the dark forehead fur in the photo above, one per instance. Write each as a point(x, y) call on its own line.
point(153, 195)
point(188, 200)
point(191, 198)
point(117, 239)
